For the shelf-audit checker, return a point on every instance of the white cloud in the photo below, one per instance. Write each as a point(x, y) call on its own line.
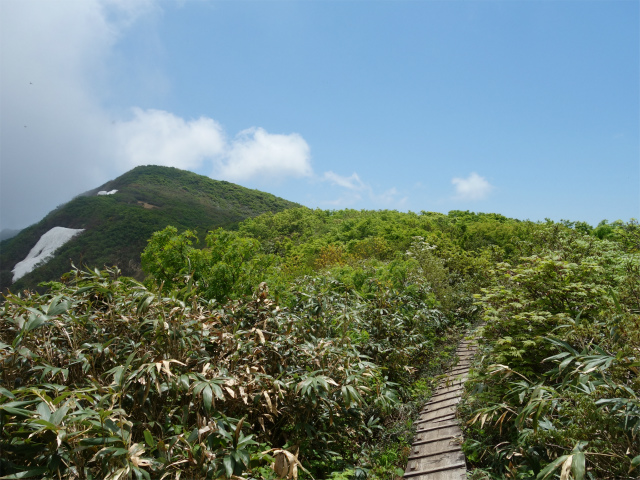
point(162, 138)
point(356, 187)
point(255, 153)
point(474, 187)
point(156, 137)
point(352, 183)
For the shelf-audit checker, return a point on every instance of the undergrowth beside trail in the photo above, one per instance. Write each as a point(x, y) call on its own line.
point(108, 379)
point(557, 393)
point(305, 343)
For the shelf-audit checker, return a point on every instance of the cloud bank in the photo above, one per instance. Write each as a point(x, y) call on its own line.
point(162, 138)
point(59, 71)
point(474, 187)
point(256, 153)
point(56, 136)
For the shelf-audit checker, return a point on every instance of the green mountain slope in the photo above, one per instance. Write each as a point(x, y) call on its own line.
point(118, 226)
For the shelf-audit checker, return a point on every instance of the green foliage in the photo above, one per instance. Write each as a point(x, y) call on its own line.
point(230, 266)
point(314, 338)
point(168, 255)
point(104, 378)
point(557, 391)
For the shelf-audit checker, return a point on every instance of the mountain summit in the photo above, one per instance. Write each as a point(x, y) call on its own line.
point(119, 217)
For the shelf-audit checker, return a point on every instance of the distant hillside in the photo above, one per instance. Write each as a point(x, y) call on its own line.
point(7, 233)
point(118, 225)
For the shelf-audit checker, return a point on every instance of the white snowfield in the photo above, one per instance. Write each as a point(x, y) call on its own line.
point(44, 250)
point(104, 192)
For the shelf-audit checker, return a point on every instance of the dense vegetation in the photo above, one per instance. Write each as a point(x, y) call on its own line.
point(558, 389)
point(118, 226)
point(304, 342)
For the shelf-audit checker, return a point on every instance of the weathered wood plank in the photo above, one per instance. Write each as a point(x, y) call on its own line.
point(446, 390)
point(459, 473)
point(437, 434)
point(456, 370)
point(436, 453)
point(452, 399)
point(440, 403)
point(440, 445)
point(436, 426)
point(439, 397)
point(445, 461)
point(441, 412)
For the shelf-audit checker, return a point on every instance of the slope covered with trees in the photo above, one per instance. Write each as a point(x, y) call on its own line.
point(118, 226)
point(304, 343)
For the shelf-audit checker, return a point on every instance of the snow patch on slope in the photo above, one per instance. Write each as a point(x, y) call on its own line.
point(44, 250)
point(104, 192)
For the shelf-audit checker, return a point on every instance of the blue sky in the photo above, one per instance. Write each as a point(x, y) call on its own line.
point(525, 108)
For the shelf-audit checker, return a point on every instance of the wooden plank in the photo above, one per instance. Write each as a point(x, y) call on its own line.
point(468, 349)
point(443, 387)
point(434, 446)
point(446, 391)
point(438, 438)
point(459, 473)
point(445, 418)
point(431, 450)
point(437, 397)
point(440, 403)
point(436, 427)
point(454, 376)
point(445, 461)
point(464, 365)
point(441, 412)
point(453, 399)
point(437, 433)
point(458, 370)
point(451, 473)
point(459, 378)
point(453, 382)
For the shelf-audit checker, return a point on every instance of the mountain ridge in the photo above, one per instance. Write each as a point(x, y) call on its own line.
point(118, 225)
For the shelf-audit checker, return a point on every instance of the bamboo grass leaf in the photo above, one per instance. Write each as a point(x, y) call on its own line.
point(34, 472)
point(552, 467)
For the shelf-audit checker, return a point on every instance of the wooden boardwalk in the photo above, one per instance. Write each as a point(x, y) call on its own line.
point(436, 453)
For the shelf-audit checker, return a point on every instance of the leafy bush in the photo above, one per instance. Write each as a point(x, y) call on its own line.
point(105, 378)
point(557, 391)
point(308, 340)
